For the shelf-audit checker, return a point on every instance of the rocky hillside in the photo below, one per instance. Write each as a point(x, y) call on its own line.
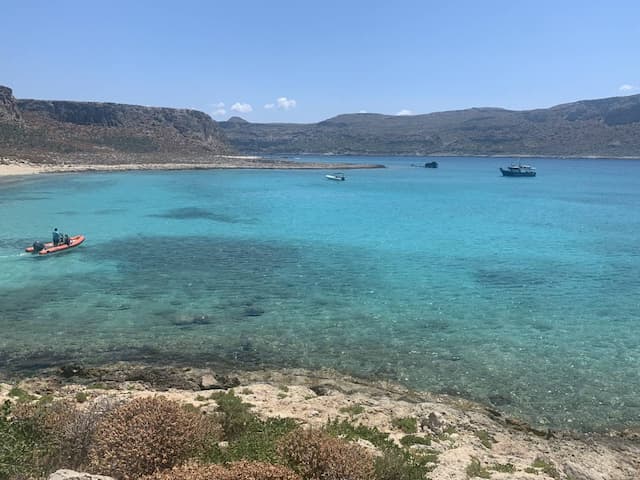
point(110, 133)
point(607, 127)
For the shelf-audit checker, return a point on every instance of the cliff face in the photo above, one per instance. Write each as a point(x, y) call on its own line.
point(8, 108)
point(90, 132)
point(604, 127)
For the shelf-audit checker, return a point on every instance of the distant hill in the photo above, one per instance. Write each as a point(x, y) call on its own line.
point(91, 132)
point(111, 133)
point(608, 127)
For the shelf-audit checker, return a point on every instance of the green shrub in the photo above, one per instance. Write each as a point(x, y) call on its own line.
point(352, 410)
point(33, 438)
point(406, 424)
point(546, 466)
point(475, 469)
point(485, 439)
point(398, 464)
point(148, 434)
point(20, 395)
point(235, 416)
point(317, 455)
point(257, 443)
point(409, 440)
point(504, 467)
point(348, 431)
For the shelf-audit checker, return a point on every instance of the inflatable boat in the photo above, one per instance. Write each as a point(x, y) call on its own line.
point(48, 248)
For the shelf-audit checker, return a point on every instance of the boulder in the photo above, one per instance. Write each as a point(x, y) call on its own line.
point(73, 475)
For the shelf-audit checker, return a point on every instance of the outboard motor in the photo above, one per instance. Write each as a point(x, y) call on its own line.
point(37, 246)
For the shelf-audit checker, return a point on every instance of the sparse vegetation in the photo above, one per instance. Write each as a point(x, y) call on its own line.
point(81, 397)
point(546, 467)
point(475, 469)
point(352, 410)
point(504, 467)
point(20, 395)
point(409, 440)
point(485, 439)
point(406, 424)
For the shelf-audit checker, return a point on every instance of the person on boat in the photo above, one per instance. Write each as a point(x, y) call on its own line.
point(67, 239)
point(56, 237)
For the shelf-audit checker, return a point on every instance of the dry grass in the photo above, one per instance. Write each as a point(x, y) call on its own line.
point(146, 435)
point(232, 471)
point(317, 455)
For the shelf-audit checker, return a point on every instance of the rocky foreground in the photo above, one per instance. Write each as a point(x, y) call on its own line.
point(463, 439)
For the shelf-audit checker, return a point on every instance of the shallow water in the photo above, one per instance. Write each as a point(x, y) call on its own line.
point(522, 293)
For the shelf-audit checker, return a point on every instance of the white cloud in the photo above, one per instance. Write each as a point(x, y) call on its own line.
point(270, 106)
point(241, 107)
point(627, 88)
point(285, 103)
point(219, 110)
point(404, 111)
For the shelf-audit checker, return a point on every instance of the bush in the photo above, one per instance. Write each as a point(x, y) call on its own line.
point(232, 471)
point(23, 445)
point(234, 414)
point(396, 464)
point(317, 455)
point(406, 424)
point(148, 434)
point(258, 442)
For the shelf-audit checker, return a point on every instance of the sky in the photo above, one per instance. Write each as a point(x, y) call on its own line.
point(306, 61)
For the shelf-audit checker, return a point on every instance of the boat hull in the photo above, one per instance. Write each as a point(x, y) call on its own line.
point(49, 248)
point(510, 173)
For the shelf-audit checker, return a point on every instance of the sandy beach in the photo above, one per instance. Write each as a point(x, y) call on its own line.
point(10, 167)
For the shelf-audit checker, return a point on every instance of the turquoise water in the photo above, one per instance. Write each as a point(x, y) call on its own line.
point(521, 293)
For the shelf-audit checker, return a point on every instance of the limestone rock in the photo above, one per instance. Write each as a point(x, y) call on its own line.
point(73, 475)
point(208, 382)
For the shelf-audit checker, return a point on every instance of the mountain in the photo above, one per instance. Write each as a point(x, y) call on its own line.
point(608, 127)
point(92, 132)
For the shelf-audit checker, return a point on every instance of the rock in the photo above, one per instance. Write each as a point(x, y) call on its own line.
point(208, 382)
point(73, 475)
point(321, 390)
point(227, 382)
point(576, 472)
point(8, 108)
point(253, 312)
point(68, 371)
point(433, 423)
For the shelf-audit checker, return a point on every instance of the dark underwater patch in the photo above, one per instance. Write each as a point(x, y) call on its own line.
point(195, 213)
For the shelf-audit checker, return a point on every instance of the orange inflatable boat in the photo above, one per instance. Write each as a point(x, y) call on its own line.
point(61, 247)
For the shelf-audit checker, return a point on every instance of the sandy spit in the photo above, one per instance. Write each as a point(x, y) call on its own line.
point(9, 167)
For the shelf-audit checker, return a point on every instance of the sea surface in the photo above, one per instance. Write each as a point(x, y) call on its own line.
point(522, 293)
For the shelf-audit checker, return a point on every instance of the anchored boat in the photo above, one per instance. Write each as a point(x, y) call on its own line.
point(519, 170)
point(335, 176)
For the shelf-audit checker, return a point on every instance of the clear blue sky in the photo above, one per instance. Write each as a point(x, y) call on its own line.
point(321, 58)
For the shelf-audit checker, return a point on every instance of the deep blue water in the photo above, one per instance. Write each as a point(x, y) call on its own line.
point(523, 293)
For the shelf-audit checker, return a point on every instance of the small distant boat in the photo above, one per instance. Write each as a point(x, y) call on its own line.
point(335, 176)
point(48, 248)
point(518, 170)
point(431, 165)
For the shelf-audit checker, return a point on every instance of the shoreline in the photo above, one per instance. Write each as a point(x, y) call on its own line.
point(10, 168)
point(459, 430)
